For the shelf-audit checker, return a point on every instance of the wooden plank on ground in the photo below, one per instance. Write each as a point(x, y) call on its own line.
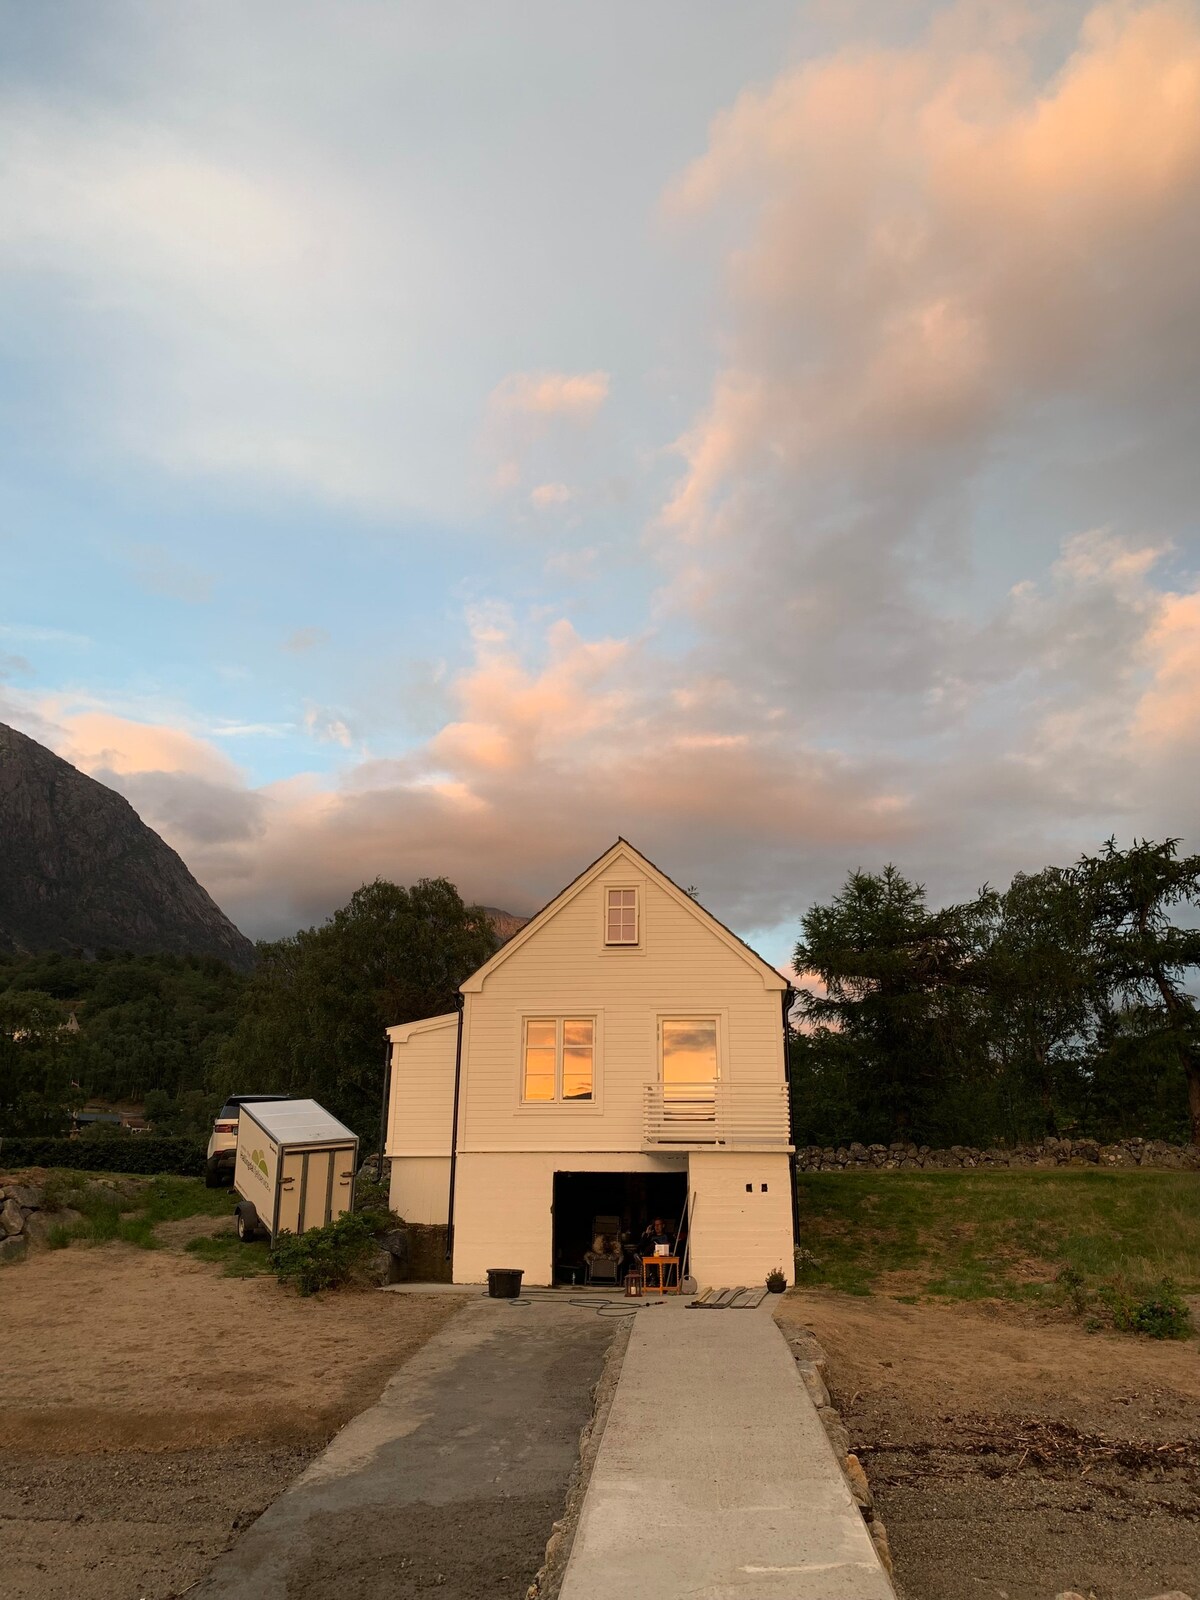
point(748, 1299)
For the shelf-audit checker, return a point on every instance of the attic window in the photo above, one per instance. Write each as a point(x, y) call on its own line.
point(621, 920)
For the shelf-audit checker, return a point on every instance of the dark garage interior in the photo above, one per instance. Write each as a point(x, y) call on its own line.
point(635, 1197)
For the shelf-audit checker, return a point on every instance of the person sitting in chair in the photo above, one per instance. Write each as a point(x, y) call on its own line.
point(656, 1234)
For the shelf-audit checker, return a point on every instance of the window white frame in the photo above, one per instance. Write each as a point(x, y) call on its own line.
point(624, 890)
point(559, 1023)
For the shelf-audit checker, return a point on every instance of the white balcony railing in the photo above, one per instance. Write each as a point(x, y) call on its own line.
point(692, 1115)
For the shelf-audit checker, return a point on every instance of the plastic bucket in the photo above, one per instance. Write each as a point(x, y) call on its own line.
point(504, 1283)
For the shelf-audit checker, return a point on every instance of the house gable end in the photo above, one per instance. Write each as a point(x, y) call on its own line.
point(638, 864)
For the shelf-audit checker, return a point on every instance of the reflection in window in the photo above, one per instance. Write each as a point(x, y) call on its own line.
point(577, 1059)
point(541, 1056)
point(689, 1057)
point(560, 1059)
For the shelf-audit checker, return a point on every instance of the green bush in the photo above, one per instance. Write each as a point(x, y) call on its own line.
point(1161, 1315)
point(324, 1258)
point(371, 1203)
point(1075, 1289)
point(142, 1153)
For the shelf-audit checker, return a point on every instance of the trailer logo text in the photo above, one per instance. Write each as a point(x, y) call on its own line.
point(256, 1163)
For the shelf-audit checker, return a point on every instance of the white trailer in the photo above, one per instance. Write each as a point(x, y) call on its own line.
point(294, 1167)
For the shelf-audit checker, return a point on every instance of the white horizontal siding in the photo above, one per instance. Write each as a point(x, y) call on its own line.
point(422, 1093)
point(682, 967)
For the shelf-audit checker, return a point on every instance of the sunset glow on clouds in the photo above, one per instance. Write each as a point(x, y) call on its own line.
point(806, 482)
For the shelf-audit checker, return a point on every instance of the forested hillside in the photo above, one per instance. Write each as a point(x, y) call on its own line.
point(179, 1033)
point(1064, 1004)
point(145, 1028)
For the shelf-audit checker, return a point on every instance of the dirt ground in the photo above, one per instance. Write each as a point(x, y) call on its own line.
point(1011, 1454)
point(152, 1408)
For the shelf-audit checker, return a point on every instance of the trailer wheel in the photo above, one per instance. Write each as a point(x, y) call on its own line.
point(247, 1221)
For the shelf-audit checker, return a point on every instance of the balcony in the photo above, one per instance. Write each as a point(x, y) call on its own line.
point(702, 1116)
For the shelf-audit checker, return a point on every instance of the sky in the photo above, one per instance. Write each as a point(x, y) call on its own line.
point(436, 439)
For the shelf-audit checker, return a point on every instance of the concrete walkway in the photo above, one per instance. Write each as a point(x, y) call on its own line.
point(450, 1483)
point(714, 1478)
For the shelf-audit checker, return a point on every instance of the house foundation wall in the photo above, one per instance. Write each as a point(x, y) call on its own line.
point(504, 1216)
point(503, 1213)
point(420, 1188)
point(741, 1217)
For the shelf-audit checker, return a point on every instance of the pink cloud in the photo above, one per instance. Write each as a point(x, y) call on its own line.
point(577, 396)
point(937, 236)
point(101, 741)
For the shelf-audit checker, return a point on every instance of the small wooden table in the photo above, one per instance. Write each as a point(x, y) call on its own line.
point(662, 1284)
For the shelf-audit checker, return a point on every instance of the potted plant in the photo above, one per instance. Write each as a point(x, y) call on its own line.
point(776, 1282)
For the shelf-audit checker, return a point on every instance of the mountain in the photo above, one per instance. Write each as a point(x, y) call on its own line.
point(80, 870)
point(504, 923)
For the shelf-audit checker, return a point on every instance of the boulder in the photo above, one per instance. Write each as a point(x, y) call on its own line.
point(813, 1382)
point(12, 1218)
point(857, 1479)
point(13, 1248)
point(25, 1195)
point(38, 1226)
point(879, 1539)
point(835, 1430)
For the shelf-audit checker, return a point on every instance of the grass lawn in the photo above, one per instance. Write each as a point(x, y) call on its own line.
point(1094, 1240)
point(239, 1260)
point(131, 1216)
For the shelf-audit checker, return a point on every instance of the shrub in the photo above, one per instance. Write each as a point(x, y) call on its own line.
point(1075, 1289)
point(324, 1258)
point(371, 1203)
point(142, 1153)
point(1161, 1315)
point(805, 1260)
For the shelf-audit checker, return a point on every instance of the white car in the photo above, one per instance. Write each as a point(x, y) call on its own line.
point(222, 1143)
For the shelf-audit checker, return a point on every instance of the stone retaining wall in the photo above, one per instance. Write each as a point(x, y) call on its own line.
point(813, 1364)
point(21, 1219)
point(1048, 1153)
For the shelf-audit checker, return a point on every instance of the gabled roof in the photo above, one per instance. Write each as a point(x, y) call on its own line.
point(771, 978)
point(401, 1032)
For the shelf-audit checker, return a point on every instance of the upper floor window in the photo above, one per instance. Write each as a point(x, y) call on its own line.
point(621, 917)
point(689, 1057)
point(560, 1060)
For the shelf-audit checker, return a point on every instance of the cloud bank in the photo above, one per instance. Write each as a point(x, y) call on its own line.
point(921, 580)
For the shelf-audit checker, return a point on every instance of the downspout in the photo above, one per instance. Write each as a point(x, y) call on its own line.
point(789, 997)
point(460, 1001)
point(383, 1110)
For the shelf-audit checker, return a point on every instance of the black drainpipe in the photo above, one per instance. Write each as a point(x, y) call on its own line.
point(460, 1003)
point(383, 1110)
point(789, 997)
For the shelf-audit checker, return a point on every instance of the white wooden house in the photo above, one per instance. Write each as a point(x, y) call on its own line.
point(622, 1055)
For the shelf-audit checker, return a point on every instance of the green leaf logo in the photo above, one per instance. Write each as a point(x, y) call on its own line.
point(259, 1160)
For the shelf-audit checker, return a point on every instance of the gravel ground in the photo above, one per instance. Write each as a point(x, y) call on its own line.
point(115, 1527)
point(156, 1408)
point(1012, 1457)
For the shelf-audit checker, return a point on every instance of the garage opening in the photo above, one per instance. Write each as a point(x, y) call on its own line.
point(585, 1203)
